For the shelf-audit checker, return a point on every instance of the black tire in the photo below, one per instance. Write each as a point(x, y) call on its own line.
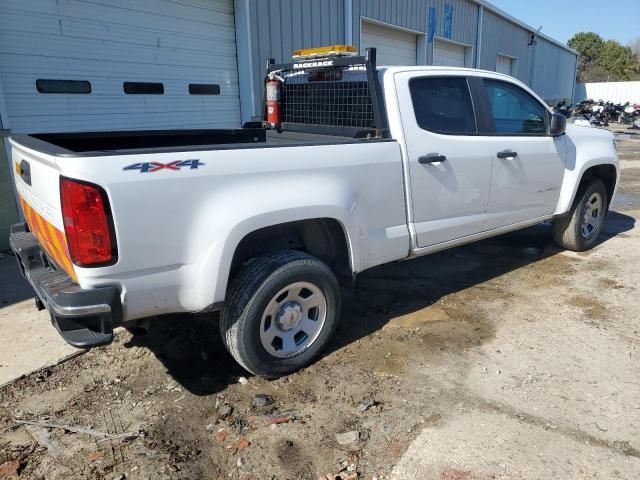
point(568, 232)
point(250, 294)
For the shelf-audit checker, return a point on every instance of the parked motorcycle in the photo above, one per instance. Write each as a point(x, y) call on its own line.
point(563, 108)
point(630, 114)
point(601, 113)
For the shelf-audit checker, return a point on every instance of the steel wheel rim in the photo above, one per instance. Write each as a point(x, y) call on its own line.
point(591, 215)
point(293, 319)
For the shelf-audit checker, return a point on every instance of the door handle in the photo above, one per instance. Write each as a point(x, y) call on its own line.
point(432, 158)
point(508, 154)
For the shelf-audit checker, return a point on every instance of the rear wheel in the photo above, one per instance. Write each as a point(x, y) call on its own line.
point(282, 311)
point(579, 230)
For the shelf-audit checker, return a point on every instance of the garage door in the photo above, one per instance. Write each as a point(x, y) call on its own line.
point(447, 53)
point(504, 64)
point(178, 60)
point(394, 47)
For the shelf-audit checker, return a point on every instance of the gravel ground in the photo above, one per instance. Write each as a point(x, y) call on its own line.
point(508, 358)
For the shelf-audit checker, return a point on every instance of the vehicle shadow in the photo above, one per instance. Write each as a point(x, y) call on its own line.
point(13, 287)
point(617, 223)
point(192, 352)
point(402, 288)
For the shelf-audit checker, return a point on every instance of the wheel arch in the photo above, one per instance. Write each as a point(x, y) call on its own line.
point(325, 238)
point(605, 171)
point(327, 235)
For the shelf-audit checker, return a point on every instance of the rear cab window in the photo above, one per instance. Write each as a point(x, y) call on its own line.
point(515, 111)
point(443, 105)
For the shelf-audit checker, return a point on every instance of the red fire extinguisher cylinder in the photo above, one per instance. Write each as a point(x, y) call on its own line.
point(274, 112)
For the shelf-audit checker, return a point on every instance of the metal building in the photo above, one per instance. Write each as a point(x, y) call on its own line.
point(118, 64)
point(70, 65)
point(77, 65)
point(464, 33)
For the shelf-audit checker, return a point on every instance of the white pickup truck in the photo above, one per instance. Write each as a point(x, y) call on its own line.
point(370, 165)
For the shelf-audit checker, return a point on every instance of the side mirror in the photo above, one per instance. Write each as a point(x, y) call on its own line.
point(558, 124)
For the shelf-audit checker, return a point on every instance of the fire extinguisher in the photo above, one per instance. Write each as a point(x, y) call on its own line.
point(274, 93)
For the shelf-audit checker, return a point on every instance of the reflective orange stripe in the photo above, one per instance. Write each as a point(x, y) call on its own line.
point(54, 248)
point(52, 240)
point(53, 237)
point(43, 230)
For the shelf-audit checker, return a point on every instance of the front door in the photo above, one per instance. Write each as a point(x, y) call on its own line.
point(449, 164)
point(528, 164)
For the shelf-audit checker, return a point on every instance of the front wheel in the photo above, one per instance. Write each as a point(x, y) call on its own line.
point(282, 311)
point(579, 230)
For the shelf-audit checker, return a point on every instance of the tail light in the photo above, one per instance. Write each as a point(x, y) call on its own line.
point(87, 223)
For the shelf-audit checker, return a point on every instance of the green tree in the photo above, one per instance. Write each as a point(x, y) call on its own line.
point(618, 60)
point(589, 45)
point(603, 61)
point(635, 48)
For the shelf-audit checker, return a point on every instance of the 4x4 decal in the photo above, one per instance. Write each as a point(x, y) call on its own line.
point(150, 167)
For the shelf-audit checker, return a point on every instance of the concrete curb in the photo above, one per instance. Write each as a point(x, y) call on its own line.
point(44, 367)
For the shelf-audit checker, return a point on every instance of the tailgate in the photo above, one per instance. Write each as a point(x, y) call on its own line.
point(37, 181)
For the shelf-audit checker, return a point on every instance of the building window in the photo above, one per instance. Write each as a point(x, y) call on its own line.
point(143, 88)
point(506, 65)
point(63, 86)
point(204, 89)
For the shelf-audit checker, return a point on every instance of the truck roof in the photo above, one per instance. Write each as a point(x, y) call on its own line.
point(471, 72)
point(444, 69)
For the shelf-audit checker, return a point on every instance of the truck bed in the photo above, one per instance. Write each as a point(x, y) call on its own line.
point(86, 144)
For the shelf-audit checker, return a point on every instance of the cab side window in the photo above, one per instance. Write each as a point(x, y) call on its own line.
point(443, 105)
point(514, 111)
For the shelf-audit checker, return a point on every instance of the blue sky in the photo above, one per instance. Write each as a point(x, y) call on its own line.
point(560, 19)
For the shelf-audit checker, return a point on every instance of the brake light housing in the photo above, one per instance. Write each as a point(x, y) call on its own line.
point(88, 223)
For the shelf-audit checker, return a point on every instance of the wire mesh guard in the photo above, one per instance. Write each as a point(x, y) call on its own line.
point(329, 96)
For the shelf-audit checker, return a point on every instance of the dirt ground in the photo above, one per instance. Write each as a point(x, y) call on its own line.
point(507, 358)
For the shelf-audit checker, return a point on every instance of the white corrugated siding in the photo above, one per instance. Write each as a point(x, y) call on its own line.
point(554, 72)
point(499, 35)
point(448, 54)
point(394, 46)
point(617, 92)
point(464, 23)
point(108, 43)
point(278, 27)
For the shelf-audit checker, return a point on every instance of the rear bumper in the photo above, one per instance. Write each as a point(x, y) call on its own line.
point(84, 317)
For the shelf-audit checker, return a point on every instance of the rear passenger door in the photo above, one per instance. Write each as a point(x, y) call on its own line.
point(449, 163)
point(528, 163)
